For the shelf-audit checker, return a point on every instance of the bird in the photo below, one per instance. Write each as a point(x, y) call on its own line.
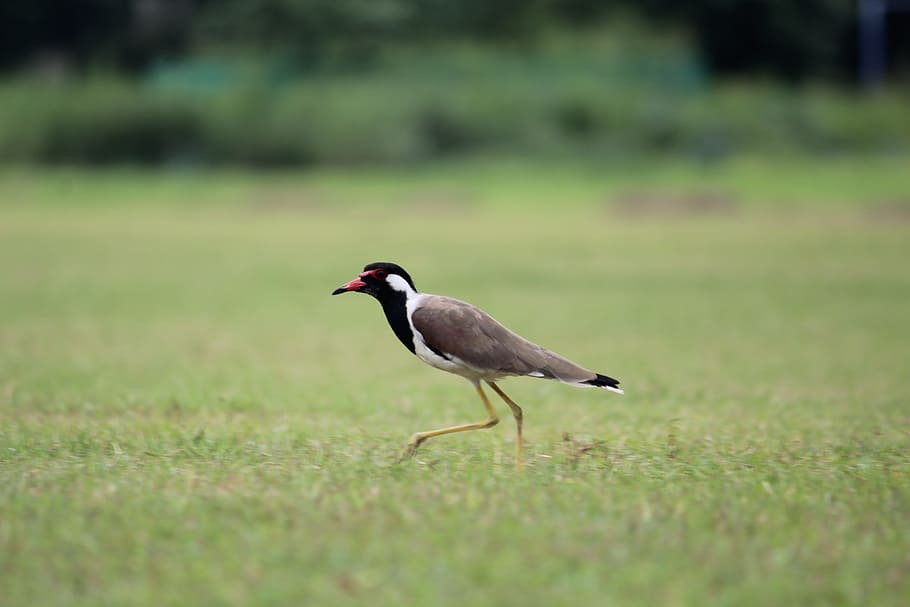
point(458, 337)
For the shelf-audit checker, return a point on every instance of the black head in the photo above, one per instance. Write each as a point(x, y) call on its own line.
point(379, 279)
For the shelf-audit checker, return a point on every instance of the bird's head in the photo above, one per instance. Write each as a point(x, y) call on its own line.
point(379, 279)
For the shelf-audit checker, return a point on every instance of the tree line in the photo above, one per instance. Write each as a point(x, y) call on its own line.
point(794, 41)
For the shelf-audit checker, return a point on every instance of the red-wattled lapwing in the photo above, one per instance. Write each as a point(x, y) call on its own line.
point(457, 337)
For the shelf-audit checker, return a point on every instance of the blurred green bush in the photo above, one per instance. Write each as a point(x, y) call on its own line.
point(394, 118)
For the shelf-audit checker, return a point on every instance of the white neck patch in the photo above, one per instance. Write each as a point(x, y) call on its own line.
point(399, 284)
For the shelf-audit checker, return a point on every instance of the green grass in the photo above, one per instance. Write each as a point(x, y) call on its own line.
point(187, 417)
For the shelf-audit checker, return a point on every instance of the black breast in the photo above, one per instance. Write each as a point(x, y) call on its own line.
point(394, 304)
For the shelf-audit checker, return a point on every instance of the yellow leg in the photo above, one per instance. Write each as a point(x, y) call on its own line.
point(519, 418)
point(418, 438)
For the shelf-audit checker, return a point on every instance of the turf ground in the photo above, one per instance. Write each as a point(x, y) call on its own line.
point(188, 418)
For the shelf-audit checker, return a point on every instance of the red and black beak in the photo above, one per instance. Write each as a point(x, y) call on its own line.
point(355, 285)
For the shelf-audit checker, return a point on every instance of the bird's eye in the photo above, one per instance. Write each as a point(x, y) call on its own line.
point(380, 274)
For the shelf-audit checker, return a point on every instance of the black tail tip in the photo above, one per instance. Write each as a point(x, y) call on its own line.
point(603, 381)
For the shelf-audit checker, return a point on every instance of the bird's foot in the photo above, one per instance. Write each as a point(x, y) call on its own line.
point(411, 449)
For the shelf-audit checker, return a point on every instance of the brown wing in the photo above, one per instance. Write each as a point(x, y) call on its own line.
point(457, 328)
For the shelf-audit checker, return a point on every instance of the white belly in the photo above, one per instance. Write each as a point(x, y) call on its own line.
point(453, 365)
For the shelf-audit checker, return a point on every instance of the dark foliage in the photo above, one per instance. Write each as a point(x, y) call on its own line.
point(792, 40)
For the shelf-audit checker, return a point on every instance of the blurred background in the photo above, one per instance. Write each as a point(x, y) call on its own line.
point(707, 199)
point(294, 83)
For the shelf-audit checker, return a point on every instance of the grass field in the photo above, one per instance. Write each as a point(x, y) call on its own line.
point(188, 418)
